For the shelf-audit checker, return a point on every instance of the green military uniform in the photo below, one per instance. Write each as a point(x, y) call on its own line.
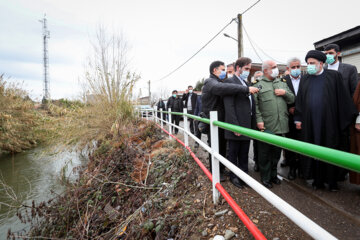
point(273, 112)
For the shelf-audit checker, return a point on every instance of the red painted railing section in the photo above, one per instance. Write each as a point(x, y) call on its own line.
point(239, 212)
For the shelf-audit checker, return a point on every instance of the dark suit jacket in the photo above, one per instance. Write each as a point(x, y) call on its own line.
point(350, 76)
point(213, 92)
point(175, 104)
point(238, 110)
point(198, 108)
point(185, 98)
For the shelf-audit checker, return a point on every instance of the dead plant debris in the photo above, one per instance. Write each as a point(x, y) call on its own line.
point(143, 186)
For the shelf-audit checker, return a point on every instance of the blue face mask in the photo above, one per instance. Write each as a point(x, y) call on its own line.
point(295, 72)
point(311, 69)
point(330, 59)
point(244, 75)
point(222, 75)
point(174, 95)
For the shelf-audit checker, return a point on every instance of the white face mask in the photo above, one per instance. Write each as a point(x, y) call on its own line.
point(190, 91)
point(230, 75)
point(275, 73)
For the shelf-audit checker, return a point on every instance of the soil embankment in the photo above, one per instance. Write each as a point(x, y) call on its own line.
point(141, 185)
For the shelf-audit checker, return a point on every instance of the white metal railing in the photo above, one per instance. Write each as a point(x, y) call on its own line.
point(309, 226)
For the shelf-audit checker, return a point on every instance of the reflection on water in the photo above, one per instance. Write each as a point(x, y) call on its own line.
point(33, 176)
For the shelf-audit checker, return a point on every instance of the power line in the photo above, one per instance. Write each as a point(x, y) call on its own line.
point(250, 7)
point(196, 52)
point(251, 43)
point(260, 48)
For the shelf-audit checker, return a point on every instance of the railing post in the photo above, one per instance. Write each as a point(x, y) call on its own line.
point(155, 116)
point(161, 117)
point(214, 161)
point(186, 128)
point(169, 110)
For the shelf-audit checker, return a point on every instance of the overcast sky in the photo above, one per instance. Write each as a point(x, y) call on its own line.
point(162, 34)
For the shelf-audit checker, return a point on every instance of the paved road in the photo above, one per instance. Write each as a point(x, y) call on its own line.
point(338, 213)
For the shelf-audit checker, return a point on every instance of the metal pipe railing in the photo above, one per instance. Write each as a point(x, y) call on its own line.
point(238, 211)
point(305, 223)
point(297, 217)
point(336, 157)
point(339, 158)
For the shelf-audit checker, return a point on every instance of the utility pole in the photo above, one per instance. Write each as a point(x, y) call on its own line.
point(149, 93)
point(240, 36)
point(46, 36)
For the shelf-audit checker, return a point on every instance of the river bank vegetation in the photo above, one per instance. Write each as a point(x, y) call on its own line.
point(21, 126)
point(105, 103)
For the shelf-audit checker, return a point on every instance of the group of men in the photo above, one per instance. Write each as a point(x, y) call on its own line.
point(189, 100)
point(315, 107)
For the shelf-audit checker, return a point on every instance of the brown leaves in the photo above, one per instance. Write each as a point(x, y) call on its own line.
point(140, 170)
point(158, 144)
point(177, 153)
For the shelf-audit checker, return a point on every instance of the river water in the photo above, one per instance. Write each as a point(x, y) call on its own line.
point(33, 175)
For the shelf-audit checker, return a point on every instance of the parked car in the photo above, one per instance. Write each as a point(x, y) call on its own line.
point(144, 109)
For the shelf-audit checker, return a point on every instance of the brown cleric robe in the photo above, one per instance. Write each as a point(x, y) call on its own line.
point(355, 137)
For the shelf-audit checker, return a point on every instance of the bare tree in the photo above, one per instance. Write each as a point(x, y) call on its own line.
point(107, 74)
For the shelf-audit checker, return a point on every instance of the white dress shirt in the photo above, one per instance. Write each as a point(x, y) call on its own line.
point(334, 66)
point(189, 106)
point(295, 83)
point(358, 118)
point(242, 81)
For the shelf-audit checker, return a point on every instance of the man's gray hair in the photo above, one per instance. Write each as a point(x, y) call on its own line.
point(265, 65)
point(294, 59)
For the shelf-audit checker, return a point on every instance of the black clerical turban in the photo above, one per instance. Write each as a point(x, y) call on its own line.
point(316, 54)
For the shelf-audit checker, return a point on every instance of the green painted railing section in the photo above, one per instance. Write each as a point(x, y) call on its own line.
point(342, 159)
point(339, 158)
point(205, 120)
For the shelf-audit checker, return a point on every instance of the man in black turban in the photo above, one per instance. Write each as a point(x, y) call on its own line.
point(320, 56)
point(323, 111)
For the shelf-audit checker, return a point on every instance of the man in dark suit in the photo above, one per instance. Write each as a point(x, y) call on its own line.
point(293, 81)
point(198, 110)
point(257, 76)
point(190, 103)
point(348, 72)
point(176, 105)
point(161, 105)
point(239, 110)
point(213, 92)
point(350, 77)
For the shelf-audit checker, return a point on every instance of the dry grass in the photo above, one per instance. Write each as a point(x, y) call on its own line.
point(21, 126)
point(107, 80)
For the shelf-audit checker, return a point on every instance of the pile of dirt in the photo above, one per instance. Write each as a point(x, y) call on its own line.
point(141, 185)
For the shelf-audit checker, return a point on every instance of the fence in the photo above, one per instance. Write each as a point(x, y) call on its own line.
point(342, 159)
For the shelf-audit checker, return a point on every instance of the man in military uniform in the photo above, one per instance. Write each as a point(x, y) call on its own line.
point(272, 117)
